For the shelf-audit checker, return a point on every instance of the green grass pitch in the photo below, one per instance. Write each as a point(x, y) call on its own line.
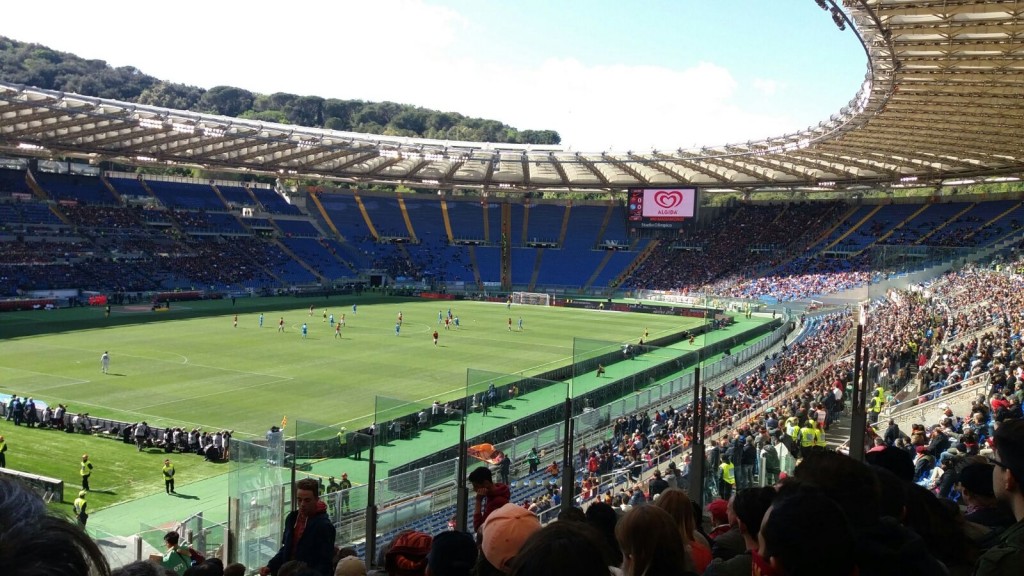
point(191, 367)
point(208, 373)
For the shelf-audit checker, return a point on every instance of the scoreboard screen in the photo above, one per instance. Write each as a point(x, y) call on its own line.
point(661, 207)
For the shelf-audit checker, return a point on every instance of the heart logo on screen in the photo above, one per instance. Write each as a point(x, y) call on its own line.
point(668, 199)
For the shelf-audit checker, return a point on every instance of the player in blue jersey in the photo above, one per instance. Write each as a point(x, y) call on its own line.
point(305, 330)
point(261, 320)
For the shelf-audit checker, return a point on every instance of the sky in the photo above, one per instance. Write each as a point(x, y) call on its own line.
point(606, 74)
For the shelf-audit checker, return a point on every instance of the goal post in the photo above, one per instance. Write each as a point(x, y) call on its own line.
point(534, 298)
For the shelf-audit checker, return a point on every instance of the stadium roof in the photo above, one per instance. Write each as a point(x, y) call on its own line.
point(942, 103)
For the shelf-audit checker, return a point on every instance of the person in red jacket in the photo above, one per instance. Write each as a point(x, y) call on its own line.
point(489, 495)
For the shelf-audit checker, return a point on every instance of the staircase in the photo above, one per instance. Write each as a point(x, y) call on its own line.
point(958, 397)
point(366, 216)
point(565, 223)
point(946, 223)
point(447, 222)
point(604, 262)
point(110, 187)
point(323, 214)
point(885, 236)
point(639, 260)
point(536, 269)
point(405, 216)
point(301, 262)
point(853, 228)
point(604, 225)
point(996, 219)
point(476, 269)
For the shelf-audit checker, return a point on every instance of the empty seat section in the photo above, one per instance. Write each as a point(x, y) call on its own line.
point(386, 215)
point(319, 256)
point(878, 225)
point(488, 262)
point(274, 202)
point(931, 218)
point(297, 228)
point(620, 260)
point(13, 181)
point(576, 260)
point(186, 196)
point(523, 260)
point(545, 223)
point(434, 256)
point(467, 220)
point(345, 214)
point(129, 187)
point(84, 189)
point(236, 196)
point(843, 228)
point(964, 230)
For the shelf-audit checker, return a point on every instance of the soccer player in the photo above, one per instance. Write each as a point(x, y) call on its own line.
point(342, 320)
point(311, 310)
point(435, 337)
point(105, 362)
point(235, 322)
point(399, 316)
point(337, 330)
point(398, 328)
point(456, 322)
point(280, 324)
point(439, 317)
point(510, 324)
point(353, 309)
point(600, 370)
point(305, 330)
point(261, 319)
point(508, 303)
point(330, 319)
point(520, 323)
point(325, 315)
point(447, 323)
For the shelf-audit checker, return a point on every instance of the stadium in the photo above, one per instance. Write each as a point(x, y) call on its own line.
point(397, 311)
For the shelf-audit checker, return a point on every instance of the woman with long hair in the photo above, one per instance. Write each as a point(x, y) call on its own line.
point(650, 545)
point(680, 507)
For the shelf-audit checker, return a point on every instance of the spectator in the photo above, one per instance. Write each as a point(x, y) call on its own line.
point(750, 507)
point(451, 554)
point(35, 542)
point(407, 555)
point(788, 523)
point(1007, 459)
point(562, 548)
point(504, 533)
point(489, 495)
point(679, 506)
point(649, 540)
point(308, 533)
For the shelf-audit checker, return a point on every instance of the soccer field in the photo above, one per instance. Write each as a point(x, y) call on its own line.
point(208, 373)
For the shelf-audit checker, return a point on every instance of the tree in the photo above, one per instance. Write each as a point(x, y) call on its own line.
point(226, 101)
point(171, 95)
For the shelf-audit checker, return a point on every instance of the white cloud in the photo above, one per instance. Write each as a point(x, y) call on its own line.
point(406, 51)
point(768, 87)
